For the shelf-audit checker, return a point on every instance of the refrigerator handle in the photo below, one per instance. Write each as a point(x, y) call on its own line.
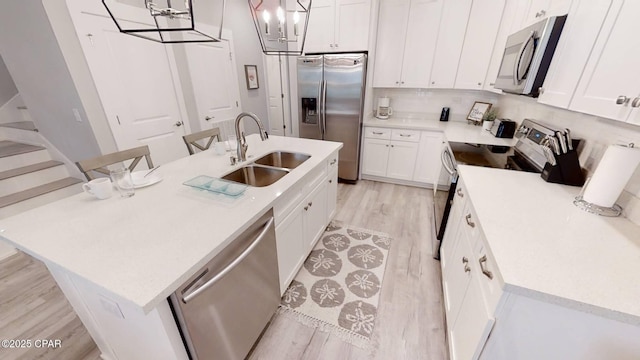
point(320, 108)
point(324, 108)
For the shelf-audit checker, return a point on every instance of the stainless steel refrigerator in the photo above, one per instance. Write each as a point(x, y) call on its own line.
point(330, 102)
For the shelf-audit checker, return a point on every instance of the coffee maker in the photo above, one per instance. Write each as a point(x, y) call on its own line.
point(383, 110)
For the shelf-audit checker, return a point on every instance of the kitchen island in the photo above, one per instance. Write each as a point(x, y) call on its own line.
point(543, 278)
point(117, 260)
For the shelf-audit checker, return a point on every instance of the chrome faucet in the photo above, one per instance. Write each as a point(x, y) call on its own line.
point(242, 142)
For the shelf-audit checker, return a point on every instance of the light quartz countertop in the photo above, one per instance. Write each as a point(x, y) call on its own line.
point(454, 131)
point(142, 248)
point(547, 248)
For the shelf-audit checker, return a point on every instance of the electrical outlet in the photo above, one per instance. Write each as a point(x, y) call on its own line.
point(76, 114)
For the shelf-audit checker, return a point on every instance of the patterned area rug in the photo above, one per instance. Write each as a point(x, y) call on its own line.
point(338, 288)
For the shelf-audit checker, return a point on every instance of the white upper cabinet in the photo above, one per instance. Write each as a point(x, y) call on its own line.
point(338, 25)
point(610, 84)
point(541, 9)
point(407, 32)
point(578, 37)
point(453, 25)
point(482, 31)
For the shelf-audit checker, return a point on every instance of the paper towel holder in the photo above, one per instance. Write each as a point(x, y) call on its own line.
point(613, 211)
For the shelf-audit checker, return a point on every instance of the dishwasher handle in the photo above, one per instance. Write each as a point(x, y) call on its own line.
point(231, 266)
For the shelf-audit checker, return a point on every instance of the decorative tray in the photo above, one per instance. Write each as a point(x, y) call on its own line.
point(216, 185)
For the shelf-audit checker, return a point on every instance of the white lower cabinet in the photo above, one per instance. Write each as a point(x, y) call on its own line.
point(305, 215)
point(401, 154)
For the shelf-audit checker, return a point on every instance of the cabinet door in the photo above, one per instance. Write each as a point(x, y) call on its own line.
point(578, 38)
point(472, 327)
point(375, 157)
point(428, 162)
point(482, 30)
point(332, 194)
point(453, 24)
point(402, 160)
point(611, 70)
point(315, 216)
point(352, 25)
point(390, 43)
point(290, 247)
point(456, 275)
point(541, 9)
point(320, 30)
point(420, 44)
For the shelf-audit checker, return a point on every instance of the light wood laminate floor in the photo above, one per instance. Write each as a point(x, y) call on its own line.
point(32, 307)
point(410, 322)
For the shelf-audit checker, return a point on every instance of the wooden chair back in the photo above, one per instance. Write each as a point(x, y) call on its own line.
point(191, 139)
point(99, 164)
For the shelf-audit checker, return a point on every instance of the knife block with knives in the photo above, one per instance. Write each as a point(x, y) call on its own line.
point(563, 166)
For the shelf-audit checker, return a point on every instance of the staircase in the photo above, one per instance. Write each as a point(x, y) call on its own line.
point(29, 176)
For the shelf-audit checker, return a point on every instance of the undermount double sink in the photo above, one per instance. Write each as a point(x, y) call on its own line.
point(267, 169)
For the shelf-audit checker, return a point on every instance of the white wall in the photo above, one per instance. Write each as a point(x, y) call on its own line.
point(7, 88)
point(33, 58)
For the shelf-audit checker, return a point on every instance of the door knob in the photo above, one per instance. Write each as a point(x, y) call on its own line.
point(622, 100)
point(209, 118)
point(179, 123)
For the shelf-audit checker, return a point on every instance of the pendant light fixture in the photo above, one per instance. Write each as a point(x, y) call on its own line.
point(281, 25)
point(167, 21)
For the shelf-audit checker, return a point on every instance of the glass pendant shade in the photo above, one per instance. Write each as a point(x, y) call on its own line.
point(281, 25)
point(168, 21)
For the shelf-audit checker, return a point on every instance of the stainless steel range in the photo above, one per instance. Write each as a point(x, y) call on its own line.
point(527, 156)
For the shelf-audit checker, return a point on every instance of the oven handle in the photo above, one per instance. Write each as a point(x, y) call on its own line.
point(447, 160)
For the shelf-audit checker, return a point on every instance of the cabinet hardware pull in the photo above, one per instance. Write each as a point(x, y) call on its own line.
point(310, 203)
point(467, 268)
point(540, 13)
point(306, 208)
point(459, 192)
point(621, 100)
point(179, 123)
point(465, 260)
point(405, 135)
point(209, 118)
point(377, 133)
point(636, 102)
point(391, 145)
point(333, 162)
point(483, 262)
point(330, 181)
point(470, 223)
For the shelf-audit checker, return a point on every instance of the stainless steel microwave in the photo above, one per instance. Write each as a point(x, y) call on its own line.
point(527, 56)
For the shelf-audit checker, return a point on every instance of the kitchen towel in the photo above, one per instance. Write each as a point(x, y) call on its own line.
point(338, 288)
point(611, 176)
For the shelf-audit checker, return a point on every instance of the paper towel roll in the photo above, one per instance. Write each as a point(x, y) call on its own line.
point(611, 175)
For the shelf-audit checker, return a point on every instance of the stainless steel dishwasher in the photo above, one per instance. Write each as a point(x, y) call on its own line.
point(224, 307)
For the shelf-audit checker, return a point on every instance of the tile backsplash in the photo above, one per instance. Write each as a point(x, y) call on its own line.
point(596, 133)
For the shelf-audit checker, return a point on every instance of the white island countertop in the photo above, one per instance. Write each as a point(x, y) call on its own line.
point(142, 248)
point(454, 131)
point(547, 248)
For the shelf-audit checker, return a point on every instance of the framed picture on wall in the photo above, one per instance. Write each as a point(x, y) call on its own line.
point(478, 110)
point(251, 74)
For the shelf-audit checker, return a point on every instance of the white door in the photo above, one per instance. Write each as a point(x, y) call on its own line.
point(375, 156)
point(215, 81)
point(402, 160)
point(276, 95)
point(138, 86)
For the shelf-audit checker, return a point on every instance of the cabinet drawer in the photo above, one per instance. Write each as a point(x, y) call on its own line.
point(377, 133)
point(405, 135)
